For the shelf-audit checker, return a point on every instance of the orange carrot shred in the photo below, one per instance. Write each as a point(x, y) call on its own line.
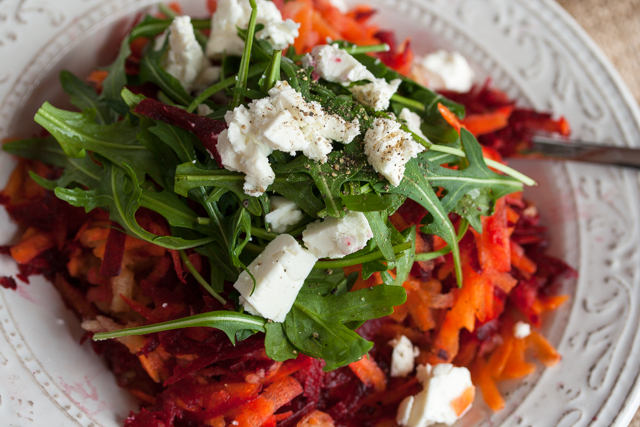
point(462, 402)
point(368, 371)
point(449, 117)
point(542, 349)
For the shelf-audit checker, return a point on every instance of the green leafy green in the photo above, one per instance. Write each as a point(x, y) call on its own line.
point(232, 324)
point(316, 325)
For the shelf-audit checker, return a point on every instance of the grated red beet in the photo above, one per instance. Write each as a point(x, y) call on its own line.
point(113, 254)
point(207, 130)
point(8, 282)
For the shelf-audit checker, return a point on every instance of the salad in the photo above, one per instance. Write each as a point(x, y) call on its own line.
point(267, 230)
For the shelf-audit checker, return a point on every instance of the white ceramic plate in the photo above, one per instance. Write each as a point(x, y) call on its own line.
point(531, 48)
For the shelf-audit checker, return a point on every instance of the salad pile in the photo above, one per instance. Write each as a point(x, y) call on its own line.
point(257, 229)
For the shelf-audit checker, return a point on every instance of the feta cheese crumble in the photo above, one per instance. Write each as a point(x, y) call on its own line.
point(403, 356)
point(336, 65)
point(445, 70)
point(185, 59)
point(521, 330)
point(376, 94)
point(284, 121)
point(284, 213)
point(413, 122)
point(337, 237)
point(280, 271)
point(446, 396)
point(233, 14)
point(389, 148)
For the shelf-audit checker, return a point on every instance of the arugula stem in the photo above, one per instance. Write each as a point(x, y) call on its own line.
point(254, 70)
point(457, 152)
point(408, 102)
point(263, 234)
point(373, 256)
point(213, 319)
point(428, 256)
point(243, 73)
point(273, 71)
point(199, 278)
point(166, 11)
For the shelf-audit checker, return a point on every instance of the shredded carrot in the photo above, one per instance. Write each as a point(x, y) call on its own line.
point(520, 261)
point(517, 366)
point(32, 244)
point(97, 76)
point(449, 117)
point(258, 411)
point(480, 377)
point(368, 371)
point(316, 419)
point(462, 402)
point(480, 124)
point(498, 359)
point(543, 350)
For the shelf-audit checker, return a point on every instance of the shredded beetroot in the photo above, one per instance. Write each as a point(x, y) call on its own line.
point(207, 130)
point(8, 282)
point(398, 57)
point(523, 122)
point(114, 252)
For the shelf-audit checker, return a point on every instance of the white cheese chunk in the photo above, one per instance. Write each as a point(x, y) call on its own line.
point(389, 148)
point(284, 121)
point(413, 122)
point(233, 14)
point(446, 70)
point(437, 402)
point(521, 330)
point(376, 94)
point(284, 213)
point(335, 65)
point(404, 411)
point(337, 237)
point(403, 356)
point(208, 76)
point(204, 110)
point(280, 271)
point(241, 151)
point(185, 59)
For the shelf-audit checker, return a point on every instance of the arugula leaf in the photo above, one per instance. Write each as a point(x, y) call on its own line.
point(369, 202)
point(117, 77)
point(416, 187)
point(381, 234)
point(119, 194)
point(299, 188)
point(152, 71)
point(171, 207)
point(329, 177)
point(405, 262)
point(414, 91)
point(276, 343)
point(85, 97)
point(151, 26)
point(232, 324)
point(190, 176)
point(240, 223)
point(78, 132)
point(182, 142)
point(316, 323)
point(46, 150)
point(474, 205)
point(477, 175)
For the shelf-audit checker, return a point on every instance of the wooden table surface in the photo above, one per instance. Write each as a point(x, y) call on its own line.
point(615, 26)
